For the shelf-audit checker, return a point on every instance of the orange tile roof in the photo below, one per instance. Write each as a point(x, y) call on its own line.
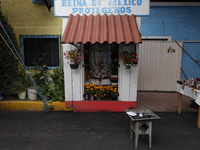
point(101, 29)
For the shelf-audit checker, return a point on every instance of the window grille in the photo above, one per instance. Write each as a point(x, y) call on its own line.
point(39, 50)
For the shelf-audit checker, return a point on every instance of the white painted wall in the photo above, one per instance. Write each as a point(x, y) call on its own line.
point(74, 78)
point(127, 79)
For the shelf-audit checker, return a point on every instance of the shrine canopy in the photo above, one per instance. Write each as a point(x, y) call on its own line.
point(118, 29)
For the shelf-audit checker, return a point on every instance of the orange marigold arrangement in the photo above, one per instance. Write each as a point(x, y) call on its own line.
point(103, 91)
point(99, 91)
point(114, 91)
point(86, 88)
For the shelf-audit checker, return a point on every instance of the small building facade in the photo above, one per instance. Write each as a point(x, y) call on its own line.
point(166, 22)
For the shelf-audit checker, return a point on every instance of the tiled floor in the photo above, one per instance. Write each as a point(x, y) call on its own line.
point(164, 102)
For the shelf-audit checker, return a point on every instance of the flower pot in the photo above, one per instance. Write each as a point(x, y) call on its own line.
point(127, 66)
point(91, 97)
point(98, 98)
point(32, 94)
point(107, 97)
point(114, 78)
point(74, 66)
point(86, 96)
point(22, 95)
point(114, 98)
point(1, 96)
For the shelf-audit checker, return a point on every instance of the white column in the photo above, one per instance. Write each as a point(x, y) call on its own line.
point(127, 82)
point(74, 78)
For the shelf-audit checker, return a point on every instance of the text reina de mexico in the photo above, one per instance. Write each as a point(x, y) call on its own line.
point(96, 6)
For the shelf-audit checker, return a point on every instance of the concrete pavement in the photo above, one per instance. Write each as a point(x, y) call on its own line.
point(28, 130)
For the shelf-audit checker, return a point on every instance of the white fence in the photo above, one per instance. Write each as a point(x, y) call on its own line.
point(157, 69)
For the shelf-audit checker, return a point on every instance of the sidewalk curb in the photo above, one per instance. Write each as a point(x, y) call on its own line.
point(31, 106)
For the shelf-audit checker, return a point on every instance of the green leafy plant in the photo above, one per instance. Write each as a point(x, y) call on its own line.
point(8, 62)
point(18, 88)
point(20, 83)
point(54, 89)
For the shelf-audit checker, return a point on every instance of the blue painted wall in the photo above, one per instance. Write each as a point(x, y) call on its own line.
point(182, 24)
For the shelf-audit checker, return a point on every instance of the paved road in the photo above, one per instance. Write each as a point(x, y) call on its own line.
point(94, 131)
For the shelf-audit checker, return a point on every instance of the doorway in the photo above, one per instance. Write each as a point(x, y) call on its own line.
point(100, 65)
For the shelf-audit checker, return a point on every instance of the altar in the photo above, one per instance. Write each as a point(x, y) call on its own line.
point(191, 92)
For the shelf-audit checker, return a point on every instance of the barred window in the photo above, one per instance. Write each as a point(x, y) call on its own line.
point(39, 50)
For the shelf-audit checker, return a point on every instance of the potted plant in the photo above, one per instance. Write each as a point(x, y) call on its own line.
point(19, 85)
point(86, 91)
point(108, 91)
point(92, 92)
point(114, 92)
point(129, 58)
point(75, 57)
point(19, 89)
point(31, 88)
point(99, 92)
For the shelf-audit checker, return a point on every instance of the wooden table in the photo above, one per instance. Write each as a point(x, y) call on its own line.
point(193, 93)
point(141, 125)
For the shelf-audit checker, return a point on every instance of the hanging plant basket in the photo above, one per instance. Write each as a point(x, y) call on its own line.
point(74, 66)
point(127, 66)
